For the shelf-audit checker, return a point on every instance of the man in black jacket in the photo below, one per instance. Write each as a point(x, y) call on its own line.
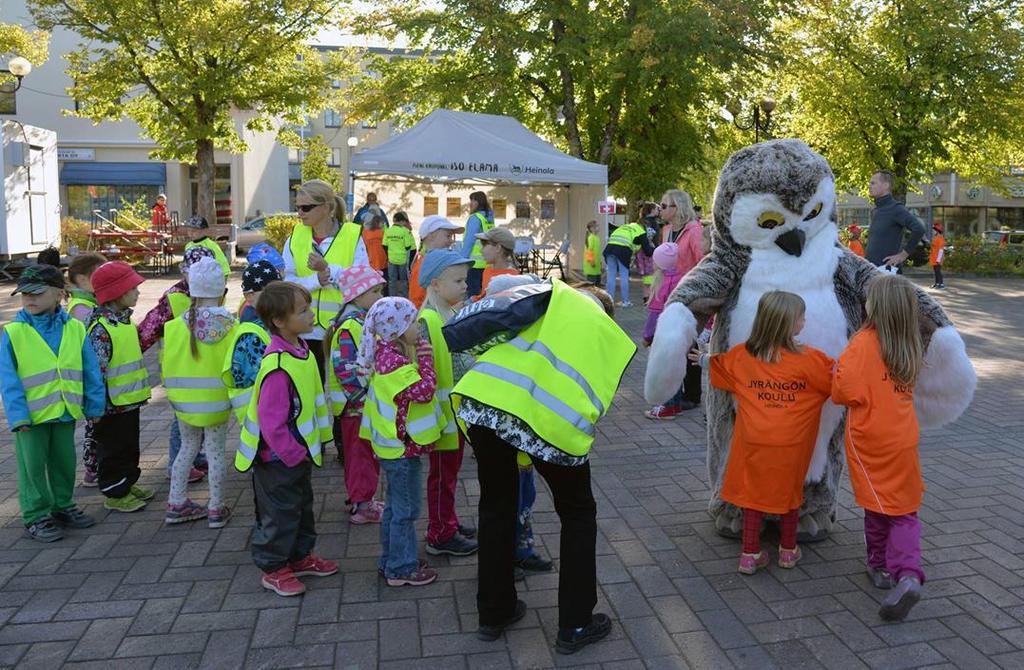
point(888, 221)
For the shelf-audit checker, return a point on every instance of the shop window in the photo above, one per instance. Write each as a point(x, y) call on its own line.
point(961, 221)
point(85, 199)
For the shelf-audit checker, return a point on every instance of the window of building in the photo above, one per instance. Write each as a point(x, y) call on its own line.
point(429, 205)
point(961, 221)
point(335, 83)
point(332, 118)
point(293, 155)
point(335, 159)
point(848, 216)
point(84, 199)
point(453, 207)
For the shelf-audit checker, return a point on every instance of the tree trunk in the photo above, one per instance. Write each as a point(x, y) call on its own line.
point(900, 159)
point(205, 205)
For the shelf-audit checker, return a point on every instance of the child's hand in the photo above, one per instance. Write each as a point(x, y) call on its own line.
point(647, 342)
point(316, 262)
point(694, 355)
point(324, 276)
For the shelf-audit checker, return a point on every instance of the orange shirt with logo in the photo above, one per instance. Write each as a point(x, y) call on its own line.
point(778, 407)
point(857, 248)
point(881, 429)
point(938, 250)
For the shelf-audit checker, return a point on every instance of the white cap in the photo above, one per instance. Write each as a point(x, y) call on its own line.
point(436, 222)
point(206, 279)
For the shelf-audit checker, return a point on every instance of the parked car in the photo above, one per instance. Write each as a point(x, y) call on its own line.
point(1012, 238)
point(252, 232)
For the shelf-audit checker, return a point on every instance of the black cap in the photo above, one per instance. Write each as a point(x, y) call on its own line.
point(38, 278)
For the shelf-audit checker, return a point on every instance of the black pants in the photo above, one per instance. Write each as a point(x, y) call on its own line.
point(117, 453)
point(938, 274)
point(574, 503)
point(474, 282)
point(690, 390)
point(317, 347)
point(285, 530)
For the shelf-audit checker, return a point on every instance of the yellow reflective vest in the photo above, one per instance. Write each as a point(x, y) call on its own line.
point(424, 422)
point(335, 393)
point(194, 385)
point(239, 395)
point(559, 375)
point(313, 422)
point(79, 299)
point(179, 303)
point(327, 300)
point(399, 242)
point(127, 378)
point(218, 253)
point(52, 382)
point(449, 440)
point(477, 253)
point(624, 235)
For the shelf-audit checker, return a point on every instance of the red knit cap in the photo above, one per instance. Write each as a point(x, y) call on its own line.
point(113, 279)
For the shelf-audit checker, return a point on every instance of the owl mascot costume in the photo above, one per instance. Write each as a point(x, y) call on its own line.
point(774, 229)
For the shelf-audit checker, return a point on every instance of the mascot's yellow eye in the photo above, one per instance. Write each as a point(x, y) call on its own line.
point(814, 212)
point(769, 220)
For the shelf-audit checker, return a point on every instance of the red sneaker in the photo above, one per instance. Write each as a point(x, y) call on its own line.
point(314, 566)
point(662, 413)
point(195, 475)
point(283, 582)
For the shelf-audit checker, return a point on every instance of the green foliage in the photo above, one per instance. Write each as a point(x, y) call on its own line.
point(974, 255)
point(631, 84)
point(277, 230)
point(914, 87)
point(134, 214)
point(73, 233)
point(30, 44)
point(316, 155)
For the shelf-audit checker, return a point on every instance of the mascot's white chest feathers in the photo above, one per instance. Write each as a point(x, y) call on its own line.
point(811, 276)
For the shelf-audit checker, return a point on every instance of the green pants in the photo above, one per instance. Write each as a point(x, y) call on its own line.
point(46, 469)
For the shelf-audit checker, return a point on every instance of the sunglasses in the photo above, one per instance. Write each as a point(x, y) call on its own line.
point(666, 206)
point(307, 208)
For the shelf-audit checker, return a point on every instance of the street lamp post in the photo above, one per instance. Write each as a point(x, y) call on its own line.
point(18, 67)
point(352, 143)
point(759, 125)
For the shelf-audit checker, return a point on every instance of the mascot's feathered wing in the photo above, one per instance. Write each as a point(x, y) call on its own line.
point(774, 229)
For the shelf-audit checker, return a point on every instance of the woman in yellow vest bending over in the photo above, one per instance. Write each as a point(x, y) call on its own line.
point(402, 419)
point(321, 245)
point(536, 389)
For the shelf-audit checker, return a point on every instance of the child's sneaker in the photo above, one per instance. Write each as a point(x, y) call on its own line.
point(455, 546)
point(90, 479)
point(314, 566)
point(880, 578)
point(749, 563)
point(73, 517)
point(143, 493)
point(468, 532)
point(901, 599)
point(44, 530)
point(370, 513)
point(186, 511)
point(662, 413)
point(195, 475)
point(283, 582)
point(421, 577)
point(126, 503)
point(218, 516)
point(788, 557)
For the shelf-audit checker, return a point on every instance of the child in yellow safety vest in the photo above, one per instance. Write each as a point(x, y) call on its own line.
point(402, 419)
point(195, 346)
point(49, 378)
point(361, 287)
point(443, 274)
point(250, 340)
point(399, 243)
point(115, 340)
point(592, 255)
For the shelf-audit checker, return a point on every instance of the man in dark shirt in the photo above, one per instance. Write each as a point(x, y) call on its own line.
point(888, 221)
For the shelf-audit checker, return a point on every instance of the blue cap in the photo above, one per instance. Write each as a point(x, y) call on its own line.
point(265, 252)
point(436, 262)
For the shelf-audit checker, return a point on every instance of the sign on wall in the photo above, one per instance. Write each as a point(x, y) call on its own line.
point(76, 154)
point(605, 207)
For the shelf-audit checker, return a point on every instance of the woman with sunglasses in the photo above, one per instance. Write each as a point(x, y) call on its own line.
point(321, 245)
point(683, 227)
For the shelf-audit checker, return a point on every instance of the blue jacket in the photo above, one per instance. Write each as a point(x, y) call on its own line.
point(472, 229)
point(51, 328)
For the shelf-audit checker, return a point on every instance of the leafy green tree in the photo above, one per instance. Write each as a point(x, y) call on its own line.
point(315, 154)
point(15, 40)
point(632, 84)
point(914, 87)
point(188, 71)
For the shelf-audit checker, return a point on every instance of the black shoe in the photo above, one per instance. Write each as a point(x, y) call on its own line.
point(901, 599)
point(456, 546)
point(519, 573)
point(571, 640)
point(73, 517)
point(492, 633)
point(535, 563)
point(44, 530)
point(468, 532)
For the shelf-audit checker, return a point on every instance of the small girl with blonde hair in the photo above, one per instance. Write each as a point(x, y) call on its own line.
point(875, 378)
point(779, 387)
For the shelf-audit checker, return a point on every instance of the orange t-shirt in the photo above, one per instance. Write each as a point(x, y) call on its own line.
point(417, 294)
point(881, 429)
point(490, 273)
point(373, 240)
point(857, 248)
point(778, 406)
point(938, 250)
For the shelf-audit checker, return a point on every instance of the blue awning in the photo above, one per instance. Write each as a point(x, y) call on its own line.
point(114, 173)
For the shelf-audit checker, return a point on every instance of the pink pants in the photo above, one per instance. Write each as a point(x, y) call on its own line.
point(362, 470)
point(442, 479)
point(894, 543)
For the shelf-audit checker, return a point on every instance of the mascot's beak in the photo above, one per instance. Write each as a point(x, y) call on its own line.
point(792, 241)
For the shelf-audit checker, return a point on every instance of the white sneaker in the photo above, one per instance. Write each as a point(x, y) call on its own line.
point(625, 303)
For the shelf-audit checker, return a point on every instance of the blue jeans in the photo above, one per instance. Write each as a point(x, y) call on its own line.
point(399, 555)
point(615, 267)
point(524, 513)
point(174, 443)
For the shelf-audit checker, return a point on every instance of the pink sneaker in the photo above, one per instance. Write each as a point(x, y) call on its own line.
point(314, 566)
point(369, 514)
point(749, 563)
point(788, 557)
point(195, 475)
point(283, 582)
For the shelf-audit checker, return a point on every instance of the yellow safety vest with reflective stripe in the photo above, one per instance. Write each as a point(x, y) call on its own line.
point(218, 253)
point(399, 242)
point(477, 253)
point(52, 382)
point(179, 302)
point(77, 300)
point(127, 378)
point(239, 395)
point(449, 440)
point(424, 422)
point(547, 377)
point(313, 422)
point(194, 385)
point(623, 236)
point(335, 393)
point(327, 300)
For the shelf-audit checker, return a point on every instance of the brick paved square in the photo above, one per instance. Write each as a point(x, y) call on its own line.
point(132, 593)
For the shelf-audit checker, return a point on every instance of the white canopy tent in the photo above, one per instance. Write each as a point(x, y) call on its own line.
point(446, 149)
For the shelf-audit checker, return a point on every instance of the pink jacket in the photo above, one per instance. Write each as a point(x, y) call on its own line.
point(691, 245)
point(277, 409)
point(668, 283)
